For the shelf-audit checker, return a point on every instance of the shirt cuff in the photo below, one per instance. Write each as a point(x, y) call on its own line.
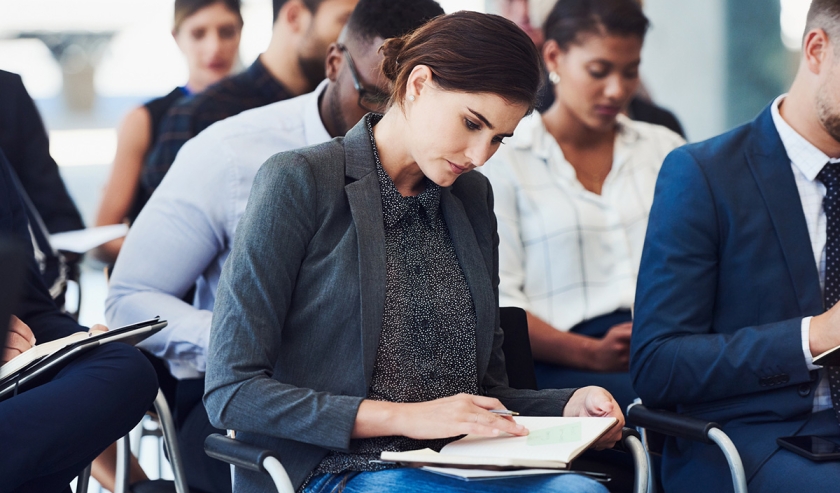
point(806, 344)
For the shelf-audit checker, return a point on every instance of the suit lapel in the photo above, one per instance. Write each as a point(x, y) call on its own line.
point(473, 264)
point(771, 168)
point(366, 208)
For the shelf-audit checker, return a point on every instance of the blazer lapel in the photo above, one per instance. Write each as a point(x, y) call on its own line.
point(469, 254)
point(771, 168)
point(366, 208)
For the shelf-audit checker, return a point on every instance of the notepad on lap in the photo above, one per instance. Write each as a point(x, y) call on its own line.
point(26, 368)
point(552, 444)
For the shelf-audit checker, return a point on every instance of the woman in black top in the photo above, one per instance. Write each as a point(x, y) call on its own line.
point(207, 32)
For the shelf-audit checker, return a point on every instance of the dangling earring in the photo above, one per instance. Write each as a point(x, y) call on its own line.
point(411, 97)
point(553, 77)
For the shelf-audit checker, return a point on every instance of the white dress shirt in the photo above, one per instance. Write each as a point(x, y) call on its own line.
point(807, 161)
point(567, 254)
point(185, 232)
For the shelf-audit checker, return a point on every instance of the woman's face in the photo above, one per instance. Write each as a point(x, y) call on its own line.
point(598, 77)
point(452, 132)
point(210, 40)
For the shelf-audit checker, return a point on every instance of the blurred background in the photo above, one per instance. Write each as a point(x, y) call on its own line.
point(714, 63)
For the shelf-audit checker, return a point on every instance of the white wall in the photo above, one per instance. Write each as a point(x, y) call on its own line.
point(684, 62)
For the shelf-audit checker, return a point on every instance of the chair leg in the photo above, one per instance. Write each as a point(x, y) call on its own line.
point(736, 467)
point(641, 460)
point(170, 441)
point(122, 481)
point(278, 474)
point(83, 480)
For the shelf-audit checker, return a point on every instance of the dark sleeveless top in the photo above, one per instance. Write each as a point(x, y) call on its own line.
point(157, 109)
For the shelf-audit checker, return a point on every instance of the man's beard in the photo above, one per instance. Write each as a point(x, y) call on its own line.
point(336, 114)
point(828, 112)
point(313, 71)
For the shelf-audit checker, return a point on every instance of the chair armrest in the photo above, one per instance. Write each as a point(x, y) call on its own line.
point(237, 453)
point(626, 432)
point(670, 423)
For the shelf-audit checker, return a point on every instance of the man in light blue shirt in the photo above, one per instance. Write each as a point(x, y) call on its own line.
point(185, 232)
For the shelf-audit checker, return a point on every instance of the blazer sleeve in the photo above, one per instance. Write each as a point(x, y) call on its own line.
point(36, 307)
point(549, 402)
point(253, 298)
point(36, 169)
point(677, 356)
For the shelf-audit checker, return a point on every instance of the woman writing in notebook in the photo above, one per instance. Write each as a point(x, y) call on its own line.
point(358, 311)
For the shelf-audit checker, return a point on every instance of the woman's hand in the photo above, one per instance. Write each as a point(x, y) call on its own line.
point(460, 414)
point(597, 402)
point(98, 329)
point(611, 353)
point(20, 339)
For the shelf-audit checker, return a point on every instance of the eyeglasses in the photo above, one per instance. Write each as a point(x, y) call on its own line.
point(371, 100)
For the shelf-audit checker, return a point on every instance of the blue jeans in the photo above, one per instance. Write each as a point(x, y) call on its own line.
point(417, 481)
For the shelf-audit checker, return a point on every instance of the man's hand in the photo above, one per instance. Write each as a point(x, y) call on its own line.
point(824, 333)
point(20, 339)
point(98, 329)
point(597, 402)
point(612, 352)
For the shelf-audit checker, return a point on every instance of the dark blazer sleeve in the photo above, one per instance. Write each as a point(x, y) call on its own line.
point(252, 304)
point(28, 150)
point(36, 307)
point(677, 355)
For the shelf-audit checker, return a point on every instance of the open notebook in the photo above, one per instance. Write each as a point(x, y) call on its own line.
point(553, 443)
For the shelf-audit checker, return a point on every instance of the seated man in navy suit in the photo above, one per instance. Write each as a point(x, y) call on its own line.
point(739, 282)
point(50, 433)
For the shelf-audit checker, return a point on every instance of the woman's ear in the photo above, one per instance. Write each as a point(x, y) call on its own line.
point(419, 81)
point(552, 55)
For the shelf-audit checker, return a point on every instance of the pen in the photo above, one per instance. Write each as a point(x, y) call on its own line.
point(504, 412)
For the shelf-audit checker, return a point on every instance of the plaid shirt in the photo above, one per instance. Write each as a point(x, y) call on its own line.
point(250, 89)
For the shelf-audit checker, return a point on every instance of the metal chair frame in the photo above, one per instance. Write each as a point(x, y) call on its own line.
point(676, 425)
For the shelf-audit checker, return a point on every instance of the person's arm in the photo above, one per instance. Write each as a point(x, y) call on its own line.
point(133, 140)
point(610, 353)
point(183, 228)
point(676, 357)
point(252, 301)
point(37, 170)
point(36, 307)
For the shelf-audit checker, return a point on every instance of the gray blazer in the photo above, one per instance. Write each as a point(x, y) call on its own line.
point(299, 306)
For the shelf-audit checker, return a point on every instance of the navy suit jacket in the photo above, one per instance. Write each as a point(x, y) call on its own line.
point(727, 274)
point(36, 307)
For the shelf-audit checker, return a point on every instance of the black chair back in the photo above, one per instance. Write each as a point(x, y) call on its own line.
point(517, 348)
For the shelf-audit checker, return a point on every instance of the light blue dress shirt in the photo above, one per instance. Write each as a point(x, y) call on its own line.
point(185, 232)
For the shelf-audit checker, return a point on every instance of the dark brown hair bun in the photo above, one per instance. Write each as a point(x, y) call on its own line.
point(467, 52)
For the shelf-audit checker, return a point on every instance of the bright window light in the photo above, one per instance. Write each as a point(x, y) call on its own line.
point(84, 147)
point(793, 17)
point(450, 6)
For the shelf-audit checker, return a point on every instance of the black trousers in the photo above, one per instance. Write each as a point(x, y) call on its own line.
point(50, 433)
